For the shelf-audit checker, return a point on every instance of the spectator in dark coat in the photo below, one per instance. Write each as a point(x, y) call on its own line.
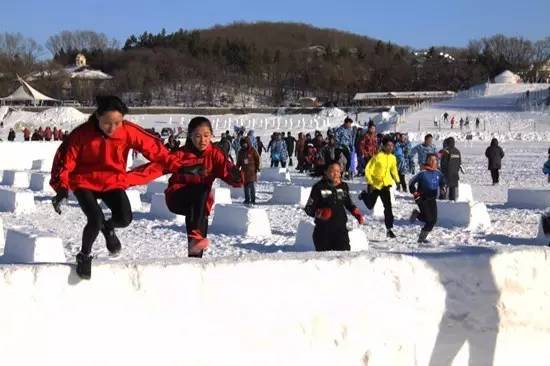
point(11, 135)
point(451, 160)
point(290, 144)
point(494, 154)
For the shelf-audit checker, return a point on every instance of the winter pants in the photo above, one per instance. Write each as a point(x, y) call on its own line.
point(118, 203)
point(190, 201)
point(385, 196)
point(402, 183)
point(328, 238)
point(347, 154)
point(428, 213)
point(275, 163)
point(452, 193)
point(250, 193)
point(495, 175)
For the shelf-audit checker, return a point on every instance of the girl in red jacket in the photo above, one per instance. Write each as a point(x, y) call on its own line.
point(189, 190)
point(91, 162)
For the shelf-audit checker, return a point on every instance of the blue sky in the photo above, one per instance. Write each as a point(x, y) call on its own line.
point(417, 23)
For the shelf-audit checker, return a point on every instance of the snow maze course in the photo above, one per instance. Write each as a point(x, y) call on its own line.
point(385, 309)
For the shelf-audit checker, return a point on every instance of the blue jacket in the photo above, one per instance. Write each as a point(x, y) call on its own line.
point(428, 182)
point(405, 163)
point(279, 151)
point(423, 151)
point(546, 167)
point(345, 137)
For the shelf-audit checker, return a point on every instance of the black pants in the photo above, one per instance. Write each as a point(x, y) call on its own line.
point(275, 163)
point(385, 196)
point(330, 238)
point(495, 175)
point(452, 193)
point(249, 193)
point(428, 213)
point(402, 183)
point(347, 154)
point(118, 203)
point(190, 201)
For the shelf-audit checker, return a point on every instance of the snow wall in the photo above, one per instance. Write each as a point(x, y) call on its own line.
point(283, 309)
point(20, 155)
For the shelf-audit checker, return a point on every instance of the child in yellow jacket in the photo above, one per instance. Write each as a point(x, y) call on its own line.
point(381, 173)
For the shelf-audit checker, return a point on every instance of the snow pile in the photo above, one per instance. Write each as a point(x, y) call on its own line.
point(4, 110)
point(239, 220)
point(332, 112)
point(529, 198)
point(471, 215)
point(17, 202)
point(300, 309)
point(153, 188)
point(23, 247)
point(290, 195)
point(61, 116)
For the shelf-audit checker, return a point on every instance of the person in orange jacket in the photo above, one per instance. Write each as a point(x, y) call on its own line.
point(91, 162)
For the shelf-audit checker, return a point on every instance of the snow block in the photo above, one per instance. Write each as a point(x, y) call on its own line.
point(290, 195)
point(16, 202)
point(153, 188)
point(2, 241)
point(222, 196)
point(42, 165)
point(529, 198)
point(465, 193)
point(16, 179)
point(26, 152)
point(240, 220)
point(471, 215)
point(275, 175)
point(160, 210)
point(22, 247)
point(40, 182)
point(304, 238)
point(135, 199)
point(375, 309)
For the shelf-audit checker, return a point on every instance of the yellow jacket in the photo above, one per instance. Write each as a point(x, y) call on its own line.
point(381, 170)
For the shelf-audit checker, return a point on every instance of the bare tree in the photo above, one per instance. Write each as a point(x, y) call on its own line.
point(79, 40)
point(16, 45)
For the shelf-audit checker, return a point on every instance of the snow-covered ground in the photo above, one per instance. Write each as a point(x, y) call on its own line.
point(398, 303)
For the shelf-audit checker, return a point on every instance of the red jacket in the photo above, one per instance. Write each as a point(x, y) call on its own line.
point(88, 159)
point(368, 147)
point(214, 161)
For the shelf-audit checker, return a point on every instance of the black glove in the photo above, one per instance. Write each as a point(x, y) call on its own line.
point(192, 170)
point(235, 174)
point(57, 201)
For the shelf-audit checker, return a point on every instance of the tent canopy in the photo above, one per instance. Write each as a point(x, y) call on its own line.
point(26, 93)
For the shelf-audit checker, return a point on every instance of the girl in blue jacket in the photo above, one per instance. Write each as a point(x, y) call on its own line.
point(424, 187)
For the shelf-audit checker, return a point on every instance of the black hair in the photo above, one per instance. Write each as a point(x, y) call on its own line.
point(348, 120)
point(429, 156)
point(428, 136)
point(194, 124)
point(109, 103)
point(386, 139)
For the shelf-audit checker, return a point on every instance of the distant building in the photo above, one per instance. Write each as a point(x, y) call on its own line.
point(27, 95)
point(401, 98)
point(308, 102)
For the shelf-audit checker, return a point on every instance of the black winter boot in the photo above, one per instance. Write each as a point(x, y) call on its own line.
point(84, 266)
point(422, 237)
point(113, 244)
